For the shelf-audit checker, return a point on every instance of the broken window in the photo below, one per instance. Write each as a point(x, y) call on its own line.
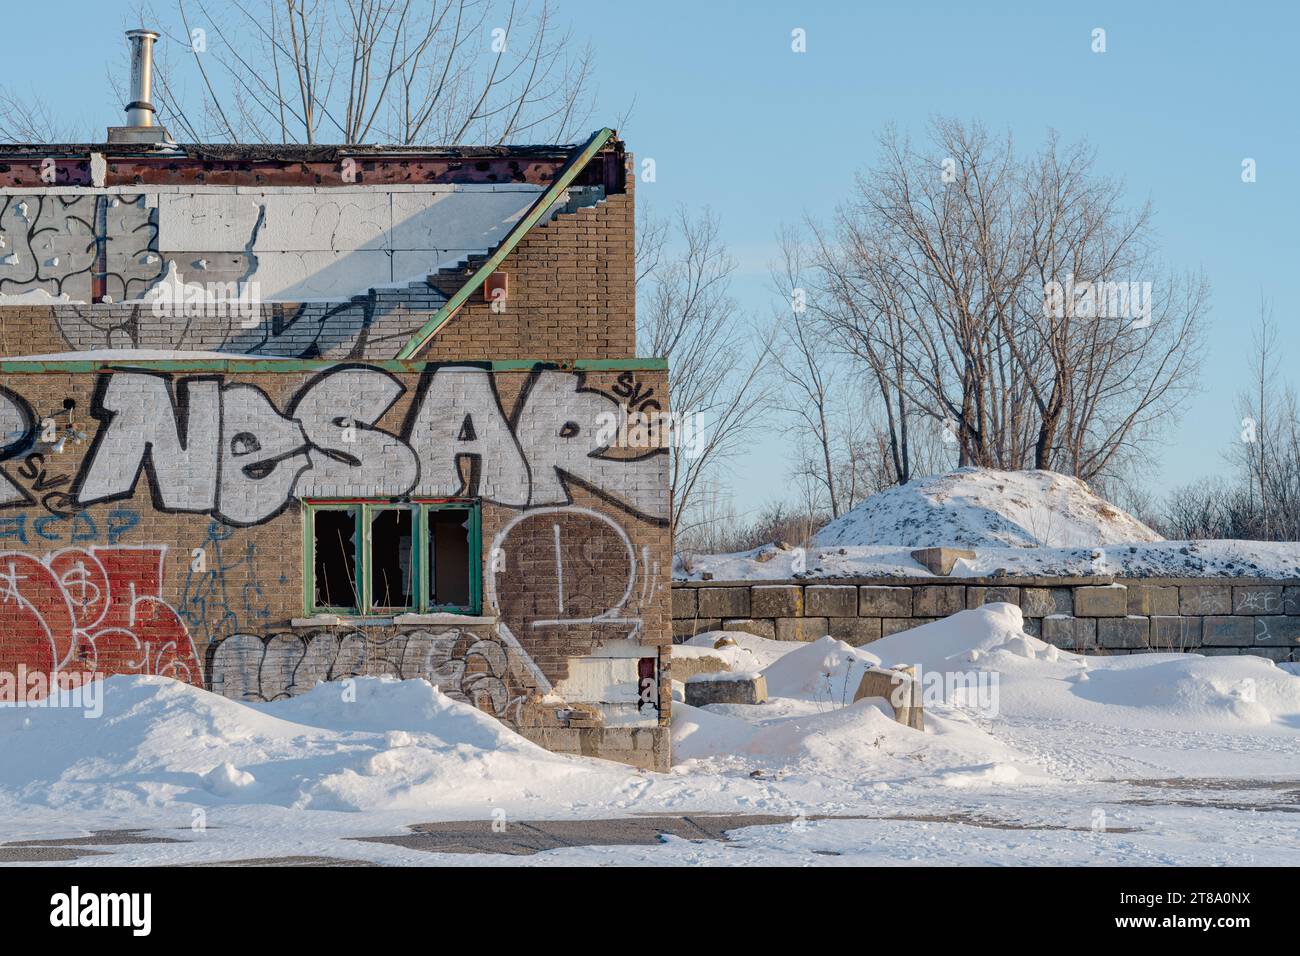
point(412, 557)
point(335, 550)
point(391, 558)
point(449, 565)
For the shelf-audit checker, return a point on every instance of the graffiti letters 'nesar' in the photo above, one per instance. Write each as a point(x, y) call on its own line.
point(222, 448)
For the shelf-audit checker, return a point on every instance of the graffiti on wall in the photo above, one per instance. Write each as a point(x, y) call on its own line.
point(211, 447)
point(53, 243)
point(571, 570)
point(570, 577)
point(94, 610)
point(464, 665)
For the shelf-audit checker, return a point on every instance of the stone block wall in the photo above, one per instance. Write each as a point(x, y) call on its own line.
point(1093, 615)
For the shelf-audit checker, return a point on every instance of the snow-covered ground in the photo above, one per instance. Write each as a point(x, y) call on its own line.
point(1046, 757)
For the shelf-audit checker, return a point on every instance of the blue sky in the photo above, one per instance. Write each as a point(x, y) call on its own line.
point(738, 122)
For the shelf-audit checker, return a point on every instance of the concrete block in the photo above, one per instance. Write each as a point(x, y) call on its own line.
point(1101, 601)
point(684, 668)
point(1253, 599)
point(1276, 654)
point(1175, 633)
point(776, 600)
point(685, 603)
point(855, 630)
point(1202, 599)
point(939, 561)
point(938, 600)
point(900, 688)
point(830, 600)
point(1219, 631)
point(884, 601)
point(1291, 600)
point(893, 625)
point(756, 626)
point(1034, 626)
point(724, 602)
point(1126, 632)
point(979, 596)
point(1148, 600)
point(1277, 629)
point(1070, 633)
point(1043, 602)
point(685, 630)
point(727, 688)
point(801, 628)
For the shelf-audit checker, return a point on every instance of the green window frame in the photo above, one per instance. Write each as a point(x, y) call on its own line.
point(422, 559)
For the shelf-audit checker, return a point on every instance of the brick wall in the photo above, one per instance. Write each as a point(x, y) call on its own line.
point(572, 292)
point(1098, 615)
point(192, 566)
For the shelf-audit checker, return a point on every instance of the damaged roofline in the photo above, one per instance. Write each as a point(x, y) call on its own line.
point(575, 165)
point(36, 366)
point(26, 165)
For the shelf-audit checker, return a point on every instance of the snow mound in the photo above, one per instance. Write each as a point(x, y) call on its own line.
point(824, 669)
point(1138, 692)
point(373, 744)
point(983, 508)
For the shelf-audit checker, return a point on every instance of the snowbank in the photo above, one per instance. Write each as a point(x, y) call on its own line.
point(397, 745)
point(982, 508)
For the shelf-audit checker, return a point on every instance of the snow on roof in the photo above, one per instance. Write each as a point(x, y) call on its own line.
point(983, 508)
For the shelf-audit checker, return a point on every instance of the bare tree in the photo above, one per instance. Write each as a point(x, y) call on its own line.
point(715, 359)
point(807, 370)
point(938, 277)
point(28, 119)
point(357, 71)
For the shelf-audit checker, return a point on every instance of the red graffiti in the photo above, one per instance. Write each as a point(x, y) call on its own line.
point(92, 611)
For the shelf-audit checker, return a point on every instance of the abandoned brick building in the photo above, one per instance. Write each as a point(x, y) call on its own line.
point(277, 415)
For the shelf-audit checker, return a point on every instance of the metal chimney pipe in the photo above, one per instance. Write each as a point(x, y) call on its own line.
point(140, 111)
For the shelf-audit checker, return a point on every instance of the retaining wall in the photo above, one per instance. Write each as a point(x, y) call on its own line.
point(1102, 615)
